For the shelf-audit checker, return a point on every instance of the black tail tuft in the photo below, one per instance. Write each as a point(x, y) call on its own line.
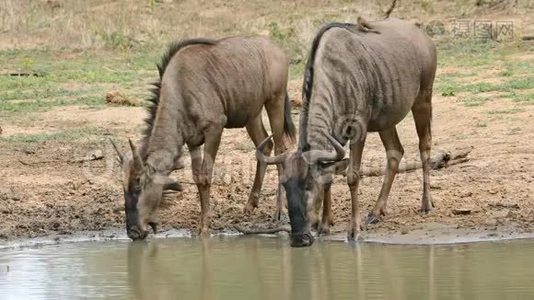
point(289, 127)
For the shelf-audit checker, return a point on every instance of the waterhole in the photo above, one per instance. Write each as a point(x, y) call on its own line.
point(266, 268)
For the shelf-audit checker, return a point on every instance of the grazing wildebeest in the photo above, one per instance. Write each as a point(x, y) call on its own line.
point(356, 81)
point(205, 86)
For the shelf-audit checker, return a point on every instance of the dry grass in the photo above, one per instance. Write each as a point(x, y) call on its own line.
point(127, 24)
point(120, 98)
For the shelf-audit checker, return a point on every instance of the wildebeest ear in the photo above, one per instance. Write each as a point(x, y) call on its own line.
point(338, 167)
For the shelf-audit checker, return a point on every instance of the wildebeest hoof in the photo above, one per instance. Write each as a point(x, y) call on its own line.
point(425, 210)
point(280, 216)
point(154, 226)
point(249, 208)
point(354, 236)
point(372, 219)
point(204, 233)
point(323, 229)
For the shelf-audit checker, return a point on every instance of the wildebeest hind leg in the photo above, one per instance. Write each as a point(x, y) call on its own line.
point(257, 133)
point(422, 114)
point(394, 153)
point(275, 111)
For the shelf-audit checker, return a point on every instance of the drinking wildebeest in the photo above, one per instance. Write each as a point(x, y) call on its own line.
point(205, 86)
point(356, 81)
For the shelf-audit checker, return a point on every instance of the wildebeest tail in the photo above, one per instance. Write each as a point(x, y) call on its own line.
point(390, 9)
point(289, 128)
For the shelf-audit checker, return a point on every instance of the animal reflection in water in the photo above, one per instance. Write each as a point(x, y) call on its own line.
point(256, 268)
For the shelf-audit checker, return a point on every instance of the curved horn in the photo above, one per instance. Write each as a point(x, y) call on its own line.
point(138, 163)
point(278, 159)
point(121, 157)
point(314, 156)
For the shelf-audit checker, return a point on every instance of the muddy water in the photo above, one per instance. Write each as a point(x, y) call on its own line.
point(266, 268)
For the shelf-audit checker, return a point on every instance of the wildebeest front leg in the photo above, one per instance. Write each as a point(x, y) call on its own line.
point(394, 153)
point(257, 133)
point(314, 206)
point(353, 180)
point(327, 219)
point(202, 175)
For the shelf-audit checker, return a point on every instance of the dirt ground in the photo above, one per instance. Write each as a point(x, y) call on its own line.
point(46, 191)
point(51, 185)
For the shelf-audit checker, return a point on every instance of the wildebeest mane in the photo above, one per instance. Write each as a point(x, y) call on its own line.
point(308, 70)
point(155, 91)
point(308, 79)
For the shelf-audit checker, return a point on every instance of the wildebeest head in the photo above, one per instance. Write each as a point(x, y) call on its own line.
point(143, 190)
point(303, 173)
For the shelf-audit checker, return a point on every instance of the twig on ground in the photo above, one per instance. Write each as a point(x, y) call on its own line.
point(92, 157)
point(281, 228)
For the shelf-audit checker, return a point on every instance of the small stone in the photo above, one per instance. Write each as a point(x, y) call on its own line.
point(467, 194)
point(501, 214)
point(491, 222)
point(404, 231)
point(461, 211)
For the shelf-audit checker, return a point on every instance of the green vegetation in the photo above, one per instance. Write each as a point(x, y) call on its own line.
point(476, 62)
point(474, 100)
point(70, 79)
point(81, 62)
point(525, 99)
point(512, 110)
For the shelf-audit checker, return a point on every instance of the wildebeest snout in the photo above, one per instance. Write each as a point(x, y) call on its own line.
point(301, 239)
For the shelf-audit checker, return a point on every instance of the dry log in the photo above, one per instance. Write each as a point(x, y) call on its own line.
point(441, 160)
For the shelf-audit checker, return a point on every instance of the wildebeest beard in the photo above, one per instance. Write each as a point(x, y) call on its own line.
point(132, 215)
point(297, 210)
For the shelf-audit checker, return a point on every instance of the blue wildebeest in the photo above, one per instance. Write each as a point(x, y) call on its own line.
point(359, 78)
point(205, 86)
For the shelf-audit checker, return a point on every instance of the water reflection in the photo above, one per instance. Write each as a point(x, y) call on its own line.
point(254, 268)
point(266, 268)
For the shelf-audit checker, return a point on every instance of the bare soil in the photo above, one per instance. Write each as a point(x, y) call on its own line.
point(48, 187)
point(45, 190)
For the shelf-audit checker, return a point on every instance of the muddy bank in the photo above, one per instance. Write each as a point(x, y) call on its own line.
point(436, 234)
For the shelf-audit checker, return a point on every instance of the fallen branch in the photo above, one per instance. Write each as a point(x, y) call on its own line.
point(92, 157)
point(504, 205)
point(284, 228)
point(441, 160)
